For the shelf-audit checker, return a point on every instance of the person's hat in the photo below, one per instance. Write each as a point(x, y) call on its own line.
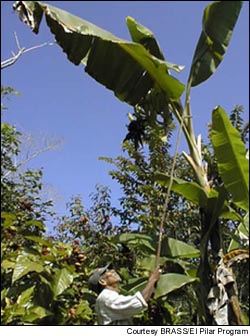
point(96, 276)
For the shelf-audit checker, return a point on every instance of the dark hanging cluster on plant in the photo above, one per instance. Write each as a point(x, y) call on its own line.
point(136, 132)
point(152, 114)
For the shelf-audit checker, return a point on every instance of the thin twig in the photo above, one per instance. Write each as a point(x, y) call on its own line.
point(17, 41)
point(21, 51)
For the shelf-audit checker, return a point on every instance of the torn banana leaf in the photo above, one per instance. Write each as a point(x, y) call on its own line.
point(126, 68)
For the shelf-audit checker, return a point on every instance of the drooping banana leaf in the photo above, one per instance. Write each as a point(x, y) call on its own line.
point(166, 284)
point(141, 34)
point(171, 282)
point(178, 249)
point(144, 36)
point(156, 100)
point(190, 190)
point(138, 239)
point(231, 154)
point(219, 19)
point(126, 68)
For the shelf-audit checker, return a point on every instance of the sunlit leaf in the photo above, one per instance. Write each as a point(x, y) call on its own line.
point(36, 313)
point(25, 264)
point(241, 235)
point(148, 263)
point(171, 282)
point(62, 279)
point(190, 190)
point(141, 34)
point(231, 154)
point(176, 248)
point(39, 240)
point(8, 219)
point(138, 239)
point(7, 264)
point(218, 23)
point(136, 284)
point(126, 68)
point(25, 297)
point(36, 223)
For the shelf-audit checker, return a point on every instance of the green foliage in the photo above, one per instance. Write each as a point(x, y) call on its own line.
point(38, 273)
point(138, 74)
point(217, 29)
point(5, 92)
point(117, 64)
point(231, 154)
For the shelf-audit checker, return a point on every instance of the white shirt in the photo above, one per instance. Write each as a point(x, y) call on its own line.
point(116, 309)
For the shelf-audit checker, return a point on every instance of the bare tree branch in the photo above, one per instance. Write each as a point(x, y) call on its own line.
point(21, 51)
point(31, 147)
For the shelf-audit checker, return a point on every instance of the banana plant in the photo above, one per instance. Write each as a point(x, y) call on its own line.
point(139, 75)
point(173, 250)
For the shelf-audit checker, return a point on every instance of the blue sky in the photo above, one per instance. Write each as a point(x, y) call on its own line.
point(58, 99)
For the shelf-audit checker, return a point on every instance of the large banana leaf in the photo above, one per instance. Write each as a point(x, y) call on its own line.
point(137, 239)
point(171, 282)
point(141, 34)
point(166, 284)
point(231, 154)
point(126, 68)
point(218, 22)
point(178, 249)
point(144, 36)
point(173, 248)
point(190, 190)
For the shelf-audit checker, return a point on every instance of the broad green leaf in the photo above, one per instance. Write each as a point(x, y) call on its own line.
point(36, 313)
point(24, 265)
point(36, 223)
point(170, 282)
point(84, 309)
point(148, 263)
point(126, 68)
point(61, 281)
point(138, 239)
point(218, 23)
point(241, 235)
point(124, 237)
point(24, 300)
point(190, 190)
point(178, 249)
point(157, 70)
point(229, 213)
point(231, 154)
point(7, 219)
point(7, 264)
point(3, 293)
point(245, 318)
point(39, 240)
point(141, 34)
point(136, 284)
